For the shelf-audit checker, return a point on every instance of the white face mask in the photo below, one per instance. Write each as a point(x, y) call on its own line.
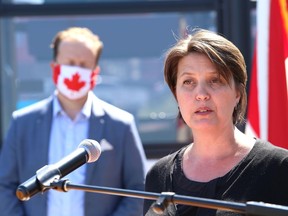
point(72, 81)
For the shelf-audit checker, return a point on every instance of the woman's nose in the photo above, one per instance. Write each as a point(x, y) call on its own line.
point(202, 93)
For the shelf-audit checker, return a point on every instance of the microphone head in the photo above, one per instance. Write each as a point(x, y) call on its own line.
point(93, 149)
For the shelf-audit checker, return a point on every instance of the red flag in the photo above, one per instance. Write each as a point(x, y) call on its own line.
point(267, 115)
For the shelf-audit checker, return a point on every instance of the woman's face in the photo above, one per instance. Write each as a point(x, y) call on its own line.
point(205, 100)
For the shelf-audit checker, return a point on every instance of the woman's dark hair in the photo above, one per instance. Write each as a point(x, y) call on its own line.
point(224, 55)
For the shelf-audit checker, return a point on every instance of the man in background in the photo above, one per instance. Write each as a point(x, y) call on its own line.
point(49, 130)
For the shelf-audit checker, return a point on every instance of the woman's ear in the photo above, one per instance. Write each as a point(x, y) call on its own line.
point(238, 96)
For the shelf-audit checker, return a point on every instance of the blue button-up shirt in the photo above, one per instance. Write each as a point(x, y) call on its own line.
point(66, 135)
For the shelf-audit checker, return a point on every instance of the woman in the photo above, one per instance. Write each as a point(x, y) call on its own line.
point(207, 76)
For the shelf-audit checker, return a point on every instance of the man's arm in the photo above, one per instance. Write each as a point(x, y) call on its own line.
point(9, 180)
point(133, 173)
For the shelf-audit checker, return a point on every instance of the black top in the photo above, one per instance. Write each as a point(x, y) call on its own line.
point(184, 186)
point(261, 176)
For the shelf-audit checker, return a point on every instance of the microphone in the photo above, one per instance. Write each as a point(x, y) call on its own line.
point(88, 151)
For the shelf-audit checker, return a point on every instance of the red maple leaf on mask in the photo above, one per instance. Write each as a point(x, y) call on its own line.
point(74, 83)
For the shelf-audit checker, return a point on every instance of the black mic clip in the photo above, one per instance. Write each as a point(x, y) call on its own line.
point(60, 185)
point(46, 175)
point(162, 202)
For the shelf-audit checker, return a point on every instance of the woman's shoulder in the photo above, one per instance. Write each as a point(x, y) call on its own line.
point(267, 148)
point(268, 154)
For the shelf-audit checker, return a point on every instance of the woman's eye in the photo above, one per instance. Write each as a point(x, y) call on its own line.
point(216, 81)
point(188, 82)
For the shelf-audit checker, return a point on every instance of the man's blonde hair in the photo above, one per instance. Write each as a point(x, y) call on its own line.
point(77, 33)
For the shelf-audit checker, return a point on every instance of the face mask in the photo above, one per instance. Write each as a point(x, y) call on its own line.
point(72, 81)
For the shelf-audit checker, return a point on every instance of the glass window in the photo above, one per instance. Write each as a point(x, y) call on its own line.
point(131, 64)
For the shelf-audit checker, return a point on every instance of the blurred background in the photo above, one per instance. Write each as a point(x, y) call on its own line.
point(136, 35)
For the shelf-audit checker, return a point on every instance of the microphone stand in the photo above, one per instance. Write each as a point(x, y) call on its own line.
point(163, 199)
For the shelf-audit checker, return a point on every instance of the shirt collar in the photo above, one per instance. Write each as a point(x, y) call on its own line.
point(86, 109)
